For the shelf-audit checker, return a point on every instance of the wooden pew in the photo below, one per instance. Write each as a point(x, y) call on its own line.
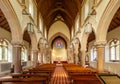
point(40, 80)
point(47, 76)
point(29, 75)
point(45, 68)
point(80, 75)
point(84, 79)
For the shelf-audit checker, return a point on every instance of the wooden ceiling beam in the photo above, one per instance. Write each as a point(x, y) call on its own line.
point(3, 22)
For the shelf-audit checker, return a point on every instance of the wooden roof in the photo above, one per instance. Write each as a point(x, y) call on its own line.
point(51, 9)
point(115, 21)
point(3, 22)
point(67, 9)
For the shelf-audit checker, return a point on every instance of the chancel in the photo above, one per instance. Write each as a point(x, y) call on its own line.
point(59, 42)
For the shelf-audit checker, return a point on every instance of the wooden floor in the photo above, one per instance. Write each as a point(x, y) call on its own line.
point(60, 76)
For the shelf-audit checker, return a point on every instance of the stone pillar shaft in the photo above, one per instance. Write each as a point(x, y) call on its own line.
point(17, 58)
point(35, 57)
point(50, 52)
point(83, 58)
point(100, 54)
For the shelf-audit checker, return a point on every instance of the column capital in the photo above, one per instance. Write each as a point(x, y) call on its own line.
point(100, 43)
point(17, 44)
point(35, 50)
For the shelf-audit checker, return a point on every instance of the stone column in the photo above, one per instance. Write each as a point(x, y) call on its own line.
point(17, 57)
point(100, 54)
point(50, 56)
point(42, 57)
point(68, 55)
point(76, 53)
point(35, 57)
point(74, 58)
point(83, 52)
point(42, 52)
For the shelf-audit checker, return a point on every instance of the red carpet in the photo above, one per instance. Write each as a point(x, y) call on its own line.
point(59, 76)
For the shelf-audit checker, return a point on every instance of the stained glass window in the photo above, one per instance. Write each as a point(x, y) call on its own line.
point(59, 44)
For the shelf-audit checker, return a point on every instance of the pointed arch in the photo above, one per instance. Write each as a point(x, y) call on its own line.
point(12, 19)
point(61, 35)
point(104, 22)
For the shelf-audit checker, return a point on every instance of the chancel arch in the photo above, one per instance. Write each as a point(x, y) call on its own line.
point(59, 50)
point(61, 35)
point(58, 27)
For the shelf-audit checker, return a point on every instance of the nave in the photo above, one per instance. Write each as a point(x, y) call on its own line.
point(60, 74)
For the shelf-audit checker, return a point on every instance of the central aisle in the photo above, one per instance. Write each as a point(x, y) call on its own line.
point(59, 76)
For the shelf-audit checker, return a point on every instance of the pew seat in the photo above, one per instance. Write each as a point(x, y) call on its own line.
point(40, 80)
point(29, 75)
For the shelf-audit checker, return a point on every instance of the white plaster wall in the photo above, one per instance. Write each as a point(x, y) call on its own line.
point(112, 67)
point(114, 34)
point(60, 53)
point(101, 8)
point(59, 27)
point(17, 8)
point(5, 34)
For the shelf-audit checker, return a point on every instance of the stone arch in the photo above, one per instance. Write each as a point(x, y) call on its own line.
point(105, 20)
point(61, 35)
point(13, 21)
point(63, 29)
point(33, 39)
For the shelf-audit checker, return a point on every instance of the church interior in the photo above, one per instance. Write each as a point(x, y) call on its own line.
point(59, 41)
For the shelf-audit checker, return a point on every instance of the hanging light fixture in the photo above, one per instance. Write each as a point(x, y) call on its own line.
point(88, 28)
point(46, 46)
point(30, 28)
point(76, 41)
point(41, 41)
point(71, 46)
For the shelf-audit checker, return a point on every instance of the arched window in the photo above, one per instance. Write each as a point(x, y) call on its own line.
point(93, 54)
point(24, 54)
point(114, 50)
point(3, 50)
point(59, 44)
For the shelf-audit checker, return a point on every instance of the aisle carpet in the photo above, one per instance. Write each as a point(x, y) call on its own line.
point(59, 76)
